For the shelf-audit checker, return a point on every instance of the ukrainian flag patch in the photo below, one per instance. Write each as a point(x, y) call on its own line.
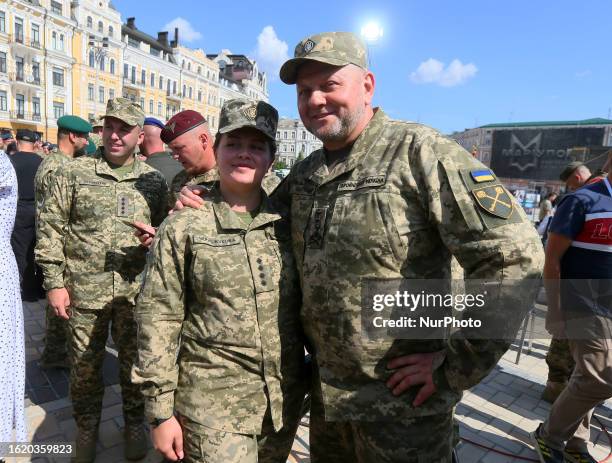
point(484, 175)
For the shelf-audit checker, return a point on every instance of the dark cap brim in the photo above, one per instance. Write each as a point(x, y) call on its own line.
point(288, 71)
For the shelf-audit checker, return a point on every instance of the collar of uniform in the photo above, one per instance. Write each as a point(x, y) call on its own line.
point(228, 220)
point(103, 167)
point(211, 176)
point(360, 149)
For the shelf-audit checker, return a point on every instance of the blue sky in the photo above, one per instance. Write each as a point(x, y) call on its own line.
point(447, 64)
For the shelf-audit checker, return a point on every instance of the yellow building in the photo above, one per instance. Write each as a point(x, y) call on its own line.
point(35, 64)
point(199, 83)
point(98, 57)
point(151, 75)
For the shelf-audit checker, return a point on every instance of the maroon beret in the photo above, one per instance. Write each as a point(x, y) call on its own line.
point(180, 123)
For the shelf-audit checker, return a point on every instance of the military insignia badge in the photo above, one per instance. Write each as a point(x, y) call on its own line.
point(308, 46)
point(171, 127)
point(250, 112)
point(484, 175)
point(495, 200)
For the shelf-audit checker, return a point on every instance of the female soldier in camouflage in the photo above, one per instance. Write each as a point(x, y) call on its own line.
point(220, 348)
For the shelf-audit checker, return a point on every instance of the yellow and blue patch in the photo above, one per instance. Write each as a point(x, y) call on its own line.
point(484, 175)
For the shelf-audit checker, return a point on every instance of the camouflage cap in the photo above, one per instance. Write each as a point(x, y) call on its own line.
point(335, 48)
point(239, 113)
point(569, 170)
point(125, 110)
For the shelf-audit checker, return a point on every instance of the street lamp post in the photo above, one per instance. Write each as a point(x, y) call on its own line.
point(99, 48)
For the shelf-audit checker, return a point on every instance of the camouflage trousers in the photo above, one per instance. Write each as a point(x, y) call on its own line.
point(88, 335)
point(56, 337)
point(559, 360)
point(427, 439)
point(202, 444)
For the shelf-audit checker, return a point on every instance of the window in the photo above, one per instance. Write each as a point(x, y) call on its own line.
point(184, 90)
point(143, 77)
point(58, 77)
point(151, 106)
point(285, 135)
point(159, 109)
point(20, 105)
point(200, 70)
point(112, 66)
point(2, 23)
point(19, 30)
point(174, 87)
point(3, 101)
point(89, 22)
point(161, 83)
point(90, 92)
point(199, 95)
point(58, 109)
point(101, 94)
point(92, 59)
point(154, 51)
point(111, 93)
point(2, 62)
point(133, 42)
point(303, 135)
point(56, 7)
point(168, 87)
point(61, 42)
point(54, 40)
point(35, 35)
point(36, 72)
point(142, 103)
point(189, 66)
point(19, 67)
point(125, 70)
point(293, 148)
point(102, 63)
point(191, 92)
point(111, 31)
point(36, 106)
point(100, 27)
point(133, 79)
point(152, 80)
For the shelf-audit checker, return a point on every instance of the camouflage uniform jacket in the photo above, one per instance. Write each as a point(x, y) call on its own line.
point(183, 178)
point(83, 242)
point(398, 206)
point(218, 320)
point(208, 179)
point(42, 181)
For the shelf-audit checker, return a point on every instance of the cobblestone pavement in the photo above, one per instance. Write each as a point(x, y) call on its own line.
point(499, 413)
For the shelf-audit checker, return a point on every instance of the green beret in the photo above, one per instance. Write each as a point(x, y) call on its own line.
point(74, 124)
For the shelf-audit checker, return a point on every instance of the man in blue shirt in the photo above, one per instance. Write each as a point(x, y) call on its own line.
point(578, 281)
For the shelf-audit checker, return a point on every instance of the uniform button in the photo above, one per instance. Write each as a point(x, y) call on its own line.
point(262, 275)
point(263, 282)
point(259, 261)
point(260, 268)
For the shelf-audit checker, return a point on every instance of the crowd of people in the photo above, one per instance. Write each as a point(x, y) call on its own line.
point(215, 280)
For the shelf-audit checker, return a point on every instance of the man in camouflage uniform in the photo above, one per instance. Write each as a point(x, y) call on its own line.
point(388, 199)
point(92, 265)
point(219, 339)
point(72, 136)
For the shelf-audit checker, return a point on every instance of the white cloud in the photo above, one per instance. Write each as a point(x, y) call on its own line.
point(433, 71)
point(584, 73)
point(186, 31)
point(271, 52)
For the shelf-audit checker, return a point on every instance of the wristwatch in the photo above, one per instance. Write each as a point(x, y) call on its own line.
point(155, 422)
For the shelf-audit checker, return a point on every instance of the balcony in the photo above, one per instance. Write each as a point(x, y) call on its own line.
point(173, 96)
point(24, 115)
point(35, 44)
point(21, 40)
point(24, 79)
point(133, 83)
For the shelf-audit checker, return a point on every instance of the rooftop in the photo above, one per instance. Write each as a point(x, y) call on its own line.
point(593, 121)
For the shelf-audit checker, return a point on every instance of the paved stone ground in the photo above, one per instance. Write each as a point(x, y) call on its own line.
point(499, 413)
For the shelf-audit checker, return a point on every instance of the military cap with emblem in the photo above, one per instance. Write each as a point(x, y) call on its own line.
point(335, 48)
point(569, 170)
point(26, 135)
point(239, 113)
point(180, 123)
point(97, 121)
point(125, 110)
point(74, 124)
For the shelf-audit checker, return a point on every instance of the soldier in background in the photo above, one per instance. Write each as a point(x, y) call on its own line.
point(92, 265)
point(6, 138)
point(152, 148)
point(72, 140)
point(26, 162)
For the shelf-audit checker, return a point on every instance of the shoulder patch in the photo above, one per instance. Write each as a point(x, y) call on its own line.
point(494, 199)
point(482, 175)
